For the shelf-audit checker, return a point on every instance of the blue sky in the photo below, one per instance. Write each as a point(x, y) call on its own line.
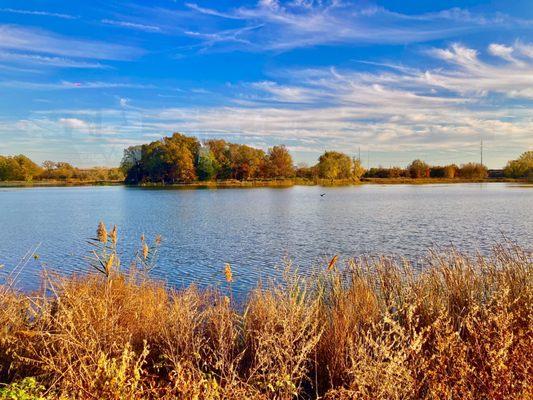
point(397, 80)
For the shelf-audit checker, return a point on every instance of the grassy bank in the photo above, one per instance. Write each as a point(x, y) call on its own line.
point(57, 183)
point(371, 329)
point(262, 182)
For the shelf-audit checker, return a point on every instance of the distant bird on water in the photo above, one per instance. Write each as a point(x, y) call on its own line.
point(323, 194)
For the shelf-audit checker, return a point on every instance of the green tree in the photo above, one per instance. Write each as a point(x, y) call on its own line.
point(280, 164)
point(131, 164)
point(18, 168)
point(221, 152)
point(335, 165)
point(522, 167)
point(207, 167)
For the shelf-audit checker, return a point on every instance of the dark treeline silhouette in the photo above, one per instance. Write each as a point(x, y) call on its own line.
point(183, 159)
point(21, 168)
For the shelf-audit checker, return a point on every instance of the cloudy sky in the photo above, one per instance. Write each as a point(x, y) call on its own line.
point(394, 80)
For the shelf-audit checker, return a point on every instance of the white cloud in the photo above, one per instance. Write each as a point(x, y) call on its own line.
point(394, 109)
point(282, 26)
point(40, 41)
point(73, 123)
point(39, 13)
point(132, 25)
point(64, 85)
point(22, 58)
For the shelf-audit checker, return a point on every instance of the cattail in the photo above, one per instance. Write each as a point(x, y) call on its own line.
point(101, 233)
point(113, 235)
point(333, 262)
point(142, 237)
point(227, 273)
point(109, 263)
point(158, 240)
point(145, 250)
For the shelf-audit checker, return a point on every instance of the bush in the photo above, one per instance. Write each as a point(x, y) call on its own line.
point(418, 169)
point(473, 171)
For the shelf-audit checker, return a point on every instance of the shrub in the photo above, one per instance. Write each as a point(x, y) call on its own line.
point(418, 169)
point(473, 171)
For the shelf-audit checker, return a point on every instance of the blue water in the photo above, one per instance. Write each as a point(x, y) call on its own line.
point(256, 229)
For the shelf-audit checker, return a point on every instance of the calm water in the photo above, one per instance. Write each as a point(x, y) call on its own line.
point(254, 229)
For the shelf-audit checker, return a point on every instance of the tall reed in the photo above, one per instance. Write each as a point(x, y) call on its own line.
point(459, 327)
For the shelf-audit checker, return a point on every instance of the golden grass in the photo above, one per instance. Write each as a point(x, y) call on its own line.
point(375, 329)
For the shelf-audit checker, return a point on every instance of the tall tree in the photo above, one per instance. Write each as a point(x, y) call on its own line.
point(280, 164)
point(335, 165)
point(521, 167)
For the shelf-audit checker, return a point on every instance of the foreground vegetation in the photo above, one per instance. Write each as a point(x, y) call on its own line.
point(461, 328)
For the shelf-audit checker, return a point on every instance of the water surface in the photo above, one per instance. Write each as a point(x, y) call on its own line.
point(255, 229)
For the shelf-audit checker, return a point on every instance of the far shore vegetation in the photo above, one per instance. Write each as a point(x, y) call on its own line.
point(459, 327)
point(186, 161)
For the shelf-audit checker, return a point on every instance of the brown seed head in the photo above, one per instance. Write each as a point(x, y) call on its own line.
point(113, 235)
point(145, 250)
point(101, 233)
point(333, 262)
point(227, 273)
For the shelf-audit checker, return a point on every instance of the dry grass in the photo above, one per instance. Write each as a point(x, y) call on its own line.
point(461, 329)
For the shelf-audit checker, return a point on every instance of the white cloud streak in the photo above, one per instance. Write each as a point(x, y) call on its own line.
point(38, 13)
point(61, 62)
point(132, 25)
point(310, 23)
point(40, 41)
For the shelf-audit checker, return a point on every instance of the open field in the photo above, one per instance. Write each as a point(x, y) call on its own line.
point(374, 328)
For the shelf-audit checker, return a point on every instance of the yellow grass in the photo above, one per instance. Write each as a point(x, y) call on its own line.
point(372, 329)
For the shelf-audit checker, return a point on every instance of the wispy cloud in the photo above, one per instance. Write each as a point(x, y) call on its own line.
point(132, 25)
point(309, 23)
point(62, 62)
point(70, 85)
point(73, 123)
point(18, 38)
point(399, 110)
point(38, 13)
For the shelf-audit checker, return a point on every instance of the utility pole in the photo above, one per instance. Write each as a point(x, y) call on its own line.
point(481, 151)
point(359, 154)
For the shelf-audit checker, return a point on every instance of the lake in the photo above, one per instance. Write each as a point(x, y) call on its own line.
point(256, 229)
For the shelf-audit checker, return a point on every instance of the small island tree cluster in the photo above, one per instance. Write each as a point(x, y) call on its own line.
point(183, 159)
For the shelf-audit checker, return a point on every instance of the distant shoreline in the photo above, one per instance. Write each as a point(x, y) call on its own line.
point(263, 183)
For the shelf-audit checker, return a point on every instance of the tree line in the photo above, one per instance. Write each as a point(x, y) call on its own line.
point(419, 169)
point(182, 159)
point(21, 168)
